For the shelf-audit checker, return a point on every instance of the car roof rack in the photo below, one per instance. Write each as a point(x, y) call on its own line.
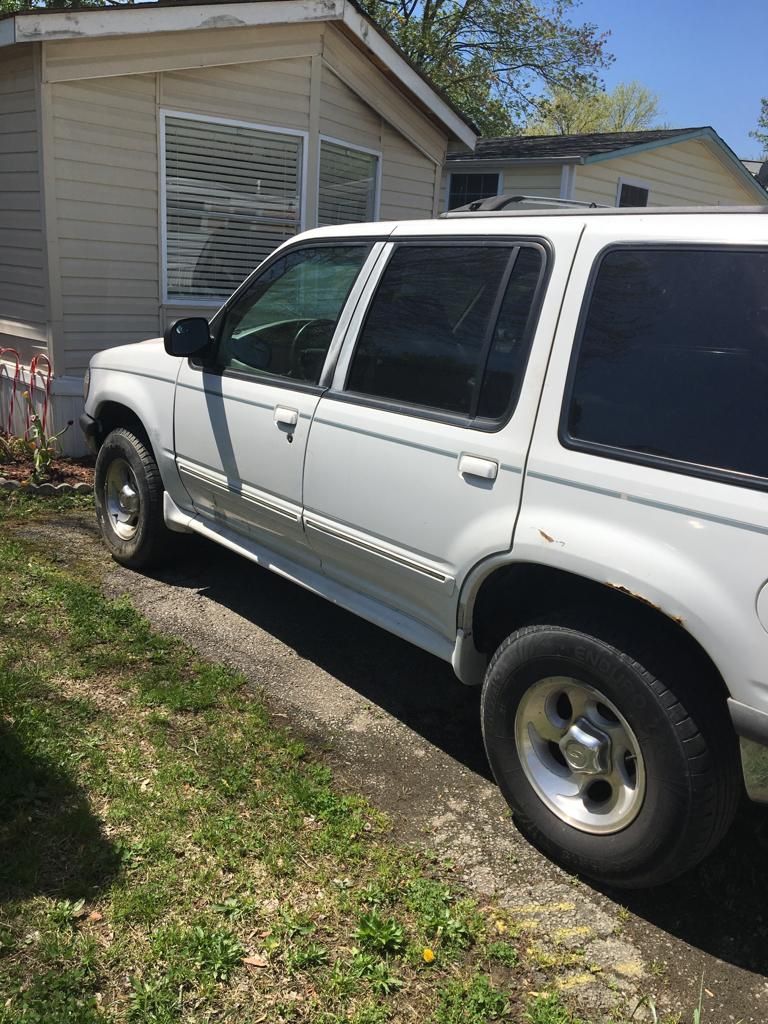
point(495, 204)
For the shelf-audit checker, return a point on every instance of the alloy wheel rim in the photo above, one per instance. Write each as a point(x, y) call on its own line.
point(121, 499)
point(580, 755)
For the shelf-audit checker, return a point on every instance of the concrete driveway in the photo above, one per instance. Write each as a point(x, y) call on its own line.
point(395, 724)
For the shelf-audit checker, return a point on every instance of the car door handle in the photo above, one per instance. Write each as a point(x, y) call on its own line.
point(286, 417)
point(472, 465)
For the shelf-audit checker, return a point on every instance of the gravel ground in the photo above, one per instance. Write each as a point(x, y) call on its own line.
point(396, 724)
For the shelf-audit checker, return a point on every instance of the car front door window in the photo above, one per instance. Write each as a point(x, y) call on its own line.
point(282, 325)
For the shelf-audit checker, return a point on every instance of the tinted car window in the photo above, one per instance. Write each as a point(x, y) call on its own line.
point(673, 361)
point(511, 337)
point(282, 325)
point(428, 333)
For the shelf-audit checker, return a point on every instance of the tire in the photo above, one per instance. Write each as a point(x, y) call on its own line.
point(630, 818)
point(130, 517)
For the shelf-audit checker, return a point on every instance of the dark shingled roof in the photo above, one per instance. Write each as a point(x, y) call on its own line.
point(531, 147)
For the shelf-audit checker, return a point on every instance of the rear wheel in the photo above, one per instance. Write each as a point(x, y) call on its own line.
point(128, 494)
point(624, 773)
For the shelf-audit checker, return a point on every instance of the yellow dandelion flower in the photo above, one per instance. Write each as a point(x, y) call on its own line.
point(428, 955)
point(501, 926)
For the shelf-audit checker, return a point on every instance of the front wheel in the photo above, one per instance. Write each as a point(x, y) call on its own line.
point(618, 774)
point(128, 494)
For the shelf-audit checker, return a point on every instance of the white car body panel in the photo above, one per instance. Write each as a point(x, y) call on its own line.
point(695, 548)
point(141, 377)
point(387, 506)
point(369, 506)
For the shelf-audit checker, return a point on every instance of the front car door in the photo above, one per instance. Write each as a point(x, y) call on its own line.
point(242, 418)
point(416, 458)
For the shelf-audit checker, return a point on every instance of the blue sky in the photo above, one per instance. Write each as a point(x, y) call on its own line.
point(707, 60)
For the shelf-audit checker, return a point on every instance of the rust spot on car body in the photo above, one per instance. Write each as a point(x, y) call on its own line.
point(639, 597)
point(547, 538)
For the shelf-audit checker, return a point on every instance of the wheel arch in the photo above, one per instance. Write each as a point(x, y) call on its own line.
point(510, 595)
point(112, 414)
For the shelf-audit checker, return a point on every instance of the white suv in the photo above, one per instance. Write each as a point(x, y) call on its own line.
point(533, 444)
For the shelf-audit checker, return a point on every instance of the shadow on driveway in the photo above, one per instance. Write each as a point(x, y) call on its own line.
point(720, 908)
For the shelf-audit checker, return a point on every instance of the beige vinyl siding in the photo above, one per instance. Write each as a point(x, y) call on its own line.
point(266, 92)
point(23, 303)
point(368, 83)
point(122, 55)
point(533, 181)
point(106, 171)
point(410, 180)
point(679, 174)
point(344, 116)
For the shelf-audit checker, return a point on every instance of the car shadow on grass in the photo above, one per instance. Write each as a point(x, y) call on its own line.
point(721, 907)
point(51, 843)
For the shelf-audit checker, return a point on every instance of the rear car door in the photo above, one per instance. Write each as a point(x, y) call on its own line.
point(415, 461)
point(242, 418)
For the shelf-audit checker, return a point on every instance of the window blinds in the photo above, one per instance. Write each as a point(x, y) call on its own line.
point(232, 194)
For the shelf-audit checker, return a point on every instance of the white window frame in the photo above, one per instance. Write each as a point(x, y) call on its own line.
point(360, 149)
point(166, 112)
point(634, 183)
point(472, 170)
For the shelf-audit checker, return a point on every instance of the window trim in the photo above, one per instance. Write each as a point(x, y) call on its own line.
point(499, 183)
point(479, 423)
point(633, 183)
point(217, 322)
point(360, 149)
point(628, 455)
point(191, 302)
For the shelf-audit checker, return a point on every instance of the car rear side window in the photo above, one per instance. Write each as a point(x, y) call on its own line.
point(672, 365)
point(449, 329)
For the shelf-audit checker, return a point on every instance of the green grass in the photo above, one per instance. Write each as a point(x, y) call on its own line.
point(168, 855)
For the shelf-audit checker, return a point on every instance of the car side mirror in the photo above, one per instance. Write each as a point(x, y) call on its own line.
point(190, 336)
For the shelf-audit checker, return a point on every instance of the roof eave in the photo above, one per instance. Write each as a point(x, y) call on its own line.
point(517, 160)
point(644, 147)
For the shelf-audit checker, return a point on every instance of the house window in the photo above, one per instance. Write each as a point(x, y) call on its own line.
point(632, 193)
point(348, 185)
point(231, 194)
point(468, 188)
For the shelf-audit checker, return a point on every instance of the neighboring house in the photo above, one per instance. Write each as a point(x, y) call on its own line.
point(151, 156)
point(670, 167)
point(758, 169)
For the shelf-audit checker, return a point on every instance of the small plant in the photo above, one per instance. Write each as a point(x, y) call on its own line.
point(380, 934)
point(42, 446)
point(455, 925)
point(66, 912)
point(153, 1000)
point(503, 953)
point(548, 1008)
point(376, 972)
point(472, 1002)
point(232, 908)
point(303, 957)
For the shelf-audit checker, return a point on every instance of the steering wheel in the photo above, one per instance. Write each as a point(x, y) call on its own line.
point(313, 334)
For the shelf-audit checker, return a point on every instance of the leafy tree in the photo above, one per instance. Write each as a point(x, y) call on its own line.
point(11, 6)
point(761, 132)
point(629, 108)
point(492, 57)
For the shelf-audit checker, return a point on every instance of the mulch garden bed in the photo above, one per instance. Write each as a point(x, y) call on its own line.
point(63, 471)
point(16, 468)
